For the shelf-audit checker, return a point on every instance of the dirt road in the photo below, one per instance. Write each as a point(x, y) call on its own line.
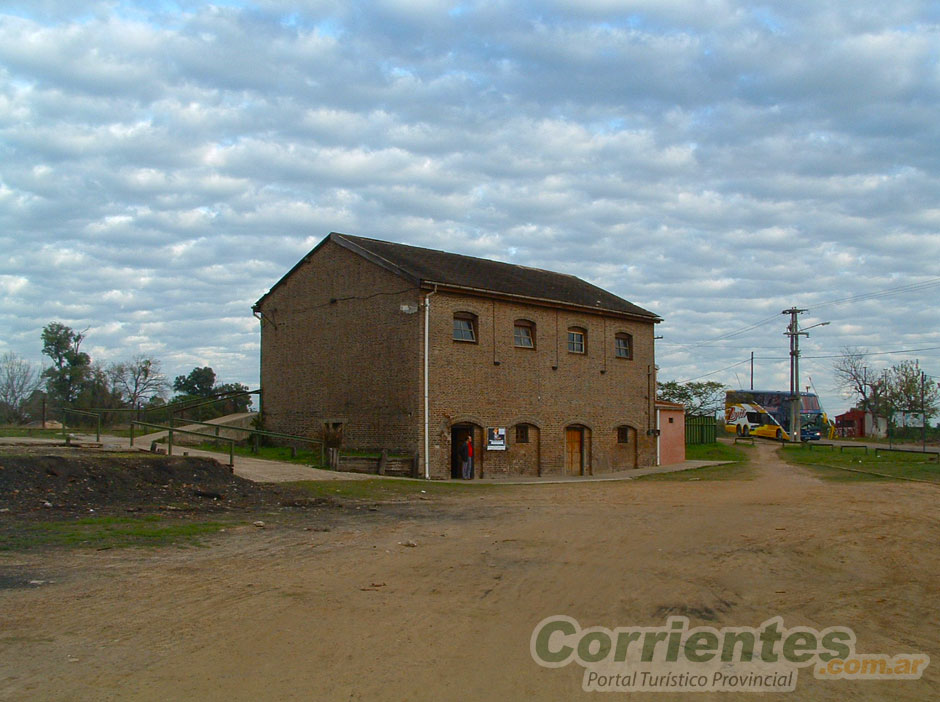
point(291, 612)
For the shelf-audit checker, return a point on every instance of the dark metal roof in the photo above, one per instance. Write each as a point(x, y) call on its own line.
point(429, 267)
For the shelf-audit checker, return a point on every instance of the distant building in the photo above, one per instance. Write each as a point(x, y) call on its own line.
point(412, 350)
point(861, 423)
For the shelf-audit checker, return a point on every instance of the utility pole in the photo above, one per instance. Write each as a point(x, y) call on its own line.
point(923, 411)
point(796, 403)
point(752, 370)
point(793, 331)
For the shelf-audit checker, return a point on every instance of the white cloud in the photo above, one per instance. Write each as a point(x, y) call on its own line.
point(714, 161)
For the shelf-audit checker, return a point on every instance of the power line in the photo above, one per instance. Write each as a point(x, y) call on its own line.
point(732, 333)
point(839, 355)
point(887, 292)
point(720, 370)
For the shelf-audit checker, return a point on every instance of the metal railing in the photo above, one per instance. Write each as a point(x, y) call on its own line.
point(253, 434)
point(218, 397)
point(931, 455)
point(170, 431)
point(65, 413)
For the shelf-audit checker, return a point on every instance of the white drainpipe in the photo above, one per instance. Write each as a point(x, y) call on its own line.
point(427, 411)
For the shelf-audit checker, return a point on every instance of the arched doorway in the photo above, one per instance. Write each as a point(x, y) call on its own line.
point(577, 449)
point(458, 436)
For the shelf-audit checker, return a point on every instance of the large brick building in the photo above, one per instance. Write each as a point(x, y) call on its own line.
point(411, 350)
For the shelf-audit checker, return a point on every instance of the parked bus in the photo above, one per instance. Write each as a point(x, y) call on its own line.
point(767, 413)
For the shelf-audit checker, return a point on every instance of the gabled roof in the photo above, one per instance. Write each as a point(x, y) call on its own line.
point(428, 267)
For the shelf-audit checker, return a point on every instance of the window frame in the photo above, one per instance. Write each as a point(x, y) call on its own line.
point(623, 434)
point(628, 338)
point(472, 327)
point(522, 433)
point(529, 326)
point(582, 332)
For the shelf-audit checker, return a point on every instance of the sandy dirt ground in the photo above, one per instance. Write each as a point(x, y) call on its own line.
point(295, 612)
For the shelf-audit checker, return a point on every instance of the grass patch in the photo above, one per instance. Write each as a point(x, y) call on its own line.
point(108, 532)
point(303, 457)
point(718, 451)
point(389, 488)
point(737, 467)
point(17, 432)
point(826, 463)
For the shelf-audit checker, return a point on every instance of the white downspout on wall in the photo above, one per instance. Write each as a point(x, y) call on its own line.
point(427, 411)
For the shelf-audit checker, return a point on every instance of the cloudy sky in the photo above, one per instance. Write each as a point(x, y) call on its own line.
point(162, 164)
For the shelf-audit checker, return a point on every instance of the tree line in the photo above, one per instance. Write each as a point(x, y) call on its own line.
point(72, 379)
point(884, 391)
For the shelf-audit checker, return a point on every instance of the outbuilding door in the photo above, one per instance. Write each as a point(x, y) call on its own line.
point(574, 451)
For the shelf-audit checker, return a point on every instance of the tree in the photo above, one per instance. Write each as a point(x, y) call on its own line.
point(907, 390)
point(199, 383)
point(70, 366)
point(864, 385)
point(18, 381)
point(881, 392)
point(699, 398)
point(98, 391)
point(238, 403)
point(138, 380)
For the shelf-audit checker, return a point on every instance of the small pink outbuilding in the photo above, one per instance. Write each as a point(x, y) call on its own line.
point(670, 444)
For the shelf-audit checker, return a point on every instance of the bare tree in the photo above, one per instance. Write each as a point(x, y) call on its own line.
point(139, 379)
point(865, 385)
point(18, 381)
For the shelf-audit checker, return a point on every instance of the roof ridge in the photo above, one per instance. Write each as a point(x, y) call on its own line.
point(353, 238)
point(422, 265)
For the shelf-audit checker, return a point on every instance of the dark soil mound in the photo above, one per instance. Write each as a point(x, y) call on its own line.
point(75, 480)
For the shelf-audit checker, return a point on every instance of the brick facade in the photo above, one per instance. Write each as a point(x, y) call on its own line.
point(336, 348)
point(343, 342)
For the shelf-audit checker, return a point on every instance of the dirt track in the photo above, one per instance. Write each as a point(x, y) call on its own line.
point(352, 613)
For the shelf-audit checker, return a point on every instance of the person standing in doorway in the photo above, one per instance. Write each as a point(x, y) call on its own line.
point(463, 455)
point(470, 455)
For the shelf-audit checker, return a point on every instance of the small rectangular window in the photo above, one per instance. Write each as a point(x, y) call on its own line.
point(464, 328)
point(522, 433)
point(522, 336)
point(575, 342)
point(623, 346)
point(623, 435)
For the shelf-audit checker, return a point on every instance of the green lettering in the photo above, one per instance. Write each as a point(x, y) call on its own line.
point(584, 646)
point(701, 646)
point(624, 639)
point(542, 648)
point(836, 645)
point(799, 647)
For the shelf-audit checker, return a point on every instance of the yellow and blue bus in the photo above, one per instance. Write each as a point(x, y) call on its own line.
point(766, 413)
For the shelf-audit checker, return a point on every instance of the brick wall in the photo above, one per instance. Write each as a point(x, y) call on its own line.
point(493, 383)
point(336, 347)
